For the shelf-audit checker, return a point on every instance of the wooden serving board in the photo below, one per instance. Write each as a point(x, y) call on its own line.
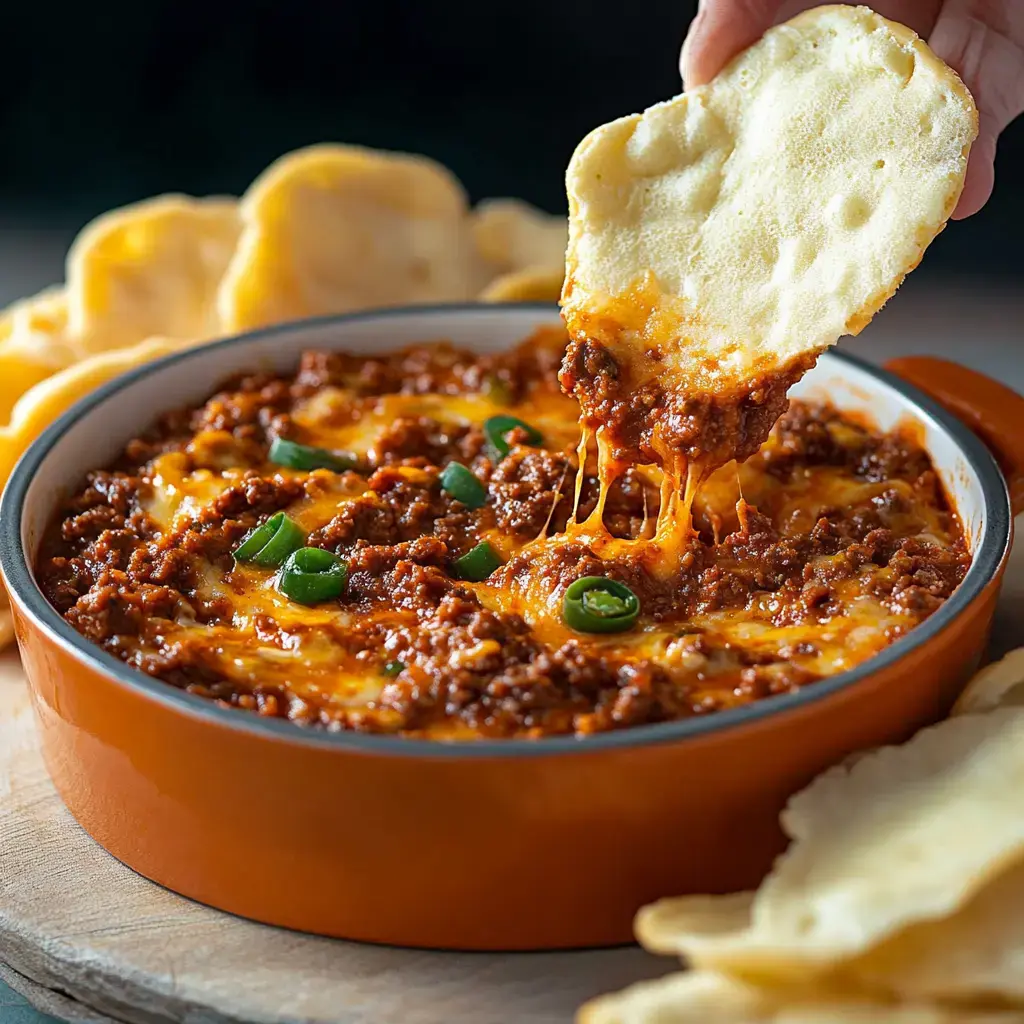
point(86, 939)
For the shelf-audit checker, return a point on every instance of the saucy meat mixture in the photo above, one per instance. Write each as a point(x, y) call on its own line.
point(388, 545)
point(656, 403)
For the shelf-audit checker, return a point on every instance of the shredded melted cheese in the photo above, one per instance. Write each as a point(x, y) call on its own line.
point(308, 651)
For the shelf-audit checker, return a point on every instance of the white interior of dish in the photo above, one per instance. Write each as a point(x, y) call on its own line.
point(856, 389)
point(100, 435)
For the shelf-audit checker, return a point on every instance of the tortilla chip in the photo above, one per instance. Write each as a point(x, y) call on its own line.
point(33, 345)
point(333, 229)
point(511, 235)
point(535, 284)
point(44, 314)
point(46, 401)
point(905, 835)
point(976, 954)
point(1000, 684)
point(150, 269)
point(705, 998)
point(746, 225)
point(660, 925)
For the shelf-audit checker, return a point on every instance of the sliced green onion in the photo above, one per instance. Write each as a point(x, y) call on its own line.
point(460, 483)
point(596, 604)
point(393, 668)
point(302, 456)
point(497, 429)
point(312, 575)
point(478, 563)
point(497, 390)
point(270, 544)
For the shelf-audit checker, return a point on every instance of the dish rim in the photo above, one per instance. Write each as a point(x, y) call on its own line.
point(20, 580)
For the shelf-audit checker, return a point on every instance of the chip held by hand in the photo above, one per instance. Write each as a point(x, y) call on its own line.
point(734, 232)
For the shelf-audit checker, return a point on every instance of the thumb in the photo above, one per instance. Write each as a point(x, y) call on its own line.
point(983, 41)
point(722, 29)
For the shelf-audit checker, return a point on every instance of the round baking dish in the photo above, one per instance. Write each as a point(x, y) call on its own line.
point(490, 845)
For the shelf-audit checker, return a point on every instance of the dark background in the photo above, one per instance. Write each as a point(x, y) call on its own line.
point(111, 102)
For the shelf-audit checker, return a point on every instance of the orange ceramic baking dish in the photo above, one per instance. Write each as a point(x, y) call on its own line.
point(494, 844)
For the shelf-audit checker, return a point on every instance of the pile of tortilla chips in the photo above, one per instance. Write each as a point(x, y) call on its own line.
point(328, 229)
point(900, 898)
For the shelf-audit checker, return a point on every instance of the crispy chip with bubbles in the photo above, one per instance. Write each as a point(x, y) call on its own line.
point(149, 269)
point(742, 227)
point(704, 998)
point(333, 229)
point(905, 835)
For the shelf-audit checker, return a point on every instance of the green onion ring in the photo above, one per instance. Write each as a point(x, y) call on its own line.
point(394, 668)
point(477, 564)
point(497, 429)
point(462, 485)
point(270, 544)
point(596, 604)
point(302, 456)
point(312, 575)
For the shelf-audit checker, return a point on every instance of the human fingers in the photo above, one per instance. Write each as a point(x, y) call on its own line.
point(722, 29)
point(983, 41)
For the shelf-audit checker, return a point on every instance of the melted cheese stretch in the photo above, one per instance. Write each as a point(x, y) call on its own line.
point(318, 654)
point(665, 552)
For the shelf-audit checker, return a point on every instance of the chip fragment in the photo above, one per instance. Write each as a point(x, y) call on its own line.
point(1000, 684)
point(511, 235)
point(332, 229)
point(890, 856)
point(149, 269)
point(976, 955)
point(704, 998)
point(534, 284)
point(44, 402)
point(33, 345)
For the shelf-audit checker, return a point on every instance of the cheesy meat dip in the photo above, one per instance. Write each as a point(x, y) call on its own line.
point(405, 544)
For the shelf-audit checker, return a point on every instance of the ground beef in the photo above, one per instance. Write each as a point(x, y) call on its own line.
point(842, 513)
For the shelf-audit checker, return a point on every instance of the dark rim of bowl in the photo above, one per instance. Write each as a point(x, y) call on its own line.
point(20, 579)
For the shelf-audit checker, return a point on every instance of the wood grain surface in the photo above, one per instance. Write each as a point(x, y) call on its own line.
point(47, 1001)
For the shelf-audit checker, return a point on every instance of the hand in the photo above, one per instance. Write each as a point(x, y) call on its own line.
point(982, 40)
